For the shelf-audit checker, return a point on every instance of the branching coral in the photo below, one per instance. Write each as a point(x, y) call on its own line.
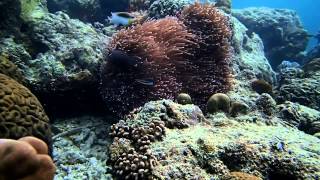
point(189, 54)
point(130, 153)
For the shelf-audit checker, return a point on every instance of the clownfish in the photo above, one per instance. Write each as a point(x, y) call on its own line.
point(121, 18)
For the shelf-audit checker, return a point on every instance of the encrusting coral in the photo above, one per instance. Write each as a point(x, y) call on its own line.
point(161, 58)
point(21, 114)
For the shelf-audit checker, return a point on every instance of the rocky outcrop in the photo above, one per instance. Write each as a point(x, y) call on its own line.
point(301, 85)
point(211, 147)
point(281, 30)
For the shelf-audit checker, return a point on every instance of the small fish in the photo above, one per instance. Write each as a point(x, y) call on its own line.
point(121, 18)
point(147, 81)
point(122, 59)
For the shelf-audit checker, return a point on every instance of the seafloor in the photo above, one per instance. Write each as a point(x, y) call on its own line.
point(262, 122)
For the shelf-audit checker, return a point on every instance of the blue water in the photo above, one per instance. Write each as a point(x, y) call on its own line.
point(308, 10)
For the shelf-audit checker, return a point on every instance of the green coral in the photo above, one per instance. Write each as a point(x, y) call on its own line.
point(32, 9)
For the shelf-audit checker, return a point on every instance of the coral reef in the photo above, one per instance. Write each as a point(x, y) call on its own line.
point(313, 53)
point(249, 61)
point(261, 86)
point(130, 153)
point(184, 98)
point(162, 8)
point(32, 10)
point(218, 102)
point(266, 104)
point(68, 57)
point(280, 29)
point(25, 158)
point(21, 112)
point(217, 149)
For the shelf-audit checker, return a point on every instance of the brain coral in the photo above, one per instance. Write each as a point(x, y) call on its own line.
point(21, 114)
point(10, 69)
point(169, 56)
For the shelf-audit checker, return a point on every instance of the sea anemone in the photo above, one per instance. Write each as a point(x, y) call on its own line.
point(161, 58)
point(148, 53)
point(209, 71)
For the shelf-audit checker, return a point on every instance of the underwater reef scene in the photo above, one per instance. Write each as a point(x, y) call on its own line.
point(157, 89)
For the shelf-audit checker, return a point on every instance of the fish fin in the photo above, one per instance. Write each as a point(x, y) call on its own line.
point(146, 81)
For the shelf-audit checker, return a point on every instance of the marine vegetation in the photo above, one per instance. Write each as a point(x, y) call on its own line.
point(162, 58)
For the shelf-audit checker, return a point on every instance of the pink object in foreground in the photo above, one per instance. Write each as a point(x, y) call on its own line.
point(25, 159)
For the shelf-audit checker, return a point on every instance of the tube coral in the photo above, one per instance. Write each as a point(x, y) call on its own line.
point(162, 58)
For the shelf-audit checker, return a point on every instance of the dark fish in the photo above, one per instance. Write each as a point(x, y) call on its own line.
point(122, 59)
point(147, 81)
point(124, 14)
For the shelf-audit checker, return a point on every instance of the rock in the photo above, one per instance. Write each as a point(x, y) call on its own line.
point(302, 117)
point(214, 150)
point(249, 53)
point(162, 8)
point(70, 53)
point(248, 63)
point(85, 10)
point(60, 59)
point(225, 5)
point(313, 53)
point(266, 104)
point(82, 154)
point(301, 86)
point(16, 12)
point(280, 29)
